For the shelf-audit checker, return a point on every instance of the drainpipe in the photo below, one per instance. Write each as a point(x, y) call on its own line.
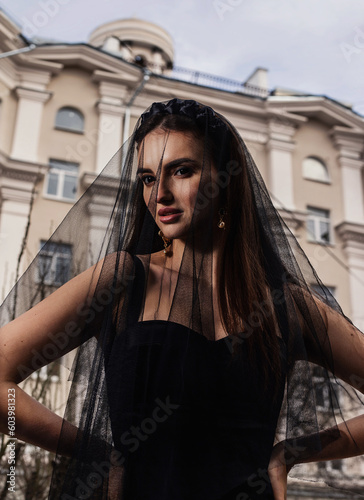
point(18, 51)
point(140, 87)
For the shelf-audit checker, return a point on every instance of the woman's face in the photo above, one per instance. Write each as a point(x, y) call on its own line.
point(171, 186)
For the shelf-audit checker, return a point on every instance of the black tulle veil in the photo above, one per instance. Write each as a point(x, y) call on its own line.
point(112, 225)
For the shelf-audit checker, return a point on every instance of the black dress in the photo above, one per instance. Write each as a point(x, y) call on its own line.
point(191, 423)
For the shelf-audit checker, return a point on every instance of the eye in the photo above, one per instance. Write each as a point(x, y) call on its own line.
point(147, 179)
point(183, 171)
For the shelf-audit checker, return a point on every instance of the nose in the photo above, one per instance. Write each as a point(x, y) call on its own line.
point(164, 193)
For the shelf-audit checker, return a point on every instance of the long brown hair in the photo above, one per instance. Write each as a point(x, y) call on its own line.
point(245, 255)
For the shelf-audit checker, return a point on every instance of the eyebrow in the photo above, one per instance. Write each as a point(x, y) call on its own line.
point(168, 166)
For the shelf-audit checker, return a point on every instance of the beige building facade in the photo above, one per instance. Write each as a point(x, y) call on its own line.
point(65, 109)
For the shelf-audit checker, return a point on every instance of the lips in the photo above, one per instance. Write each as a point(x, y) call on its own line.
point(168, 211)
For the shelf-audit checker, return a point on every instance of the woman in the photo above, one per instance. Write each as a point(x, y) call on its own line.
point(196, 327)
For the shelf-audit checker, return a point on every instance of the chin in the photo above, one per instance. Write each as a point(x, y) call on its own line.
point(172, 232)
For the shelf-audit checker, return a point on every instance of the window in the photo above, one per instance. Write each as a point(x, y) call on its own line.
point(49, 372)
point(54, 265)
point(318, 225)
point(332, 467)
point(70, 119)
point(62, 179)
point(315, 169)
point(325, 398)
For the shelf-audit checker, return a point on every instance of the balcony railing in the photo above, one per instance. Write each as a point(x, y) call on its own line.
point(216, 82)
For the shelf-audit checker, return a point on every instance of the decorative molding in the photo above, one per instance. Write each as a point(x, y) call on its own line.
point(112, 92)
point(282, 115)
point(110, 109)
point(293, 218)
point(276, 144)
point(258, 137)
point(322, 108)
point(351, 162)
point(127, 77)
point(34, 78)
point(8, 73)
point(281, 128)
point(349, 142)
point(350, 232)
point(17, 195)
point(106, 186)
point(21, 170)
point(86, 56)
point(33, 94)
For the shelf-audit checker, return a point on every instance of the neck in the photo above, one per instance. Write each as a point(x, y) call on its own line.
point(178, 247)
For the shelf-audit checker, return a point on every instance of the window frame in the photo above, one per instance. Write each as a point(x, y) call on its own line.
point(327, 466)
point(66, 128)
point(320, 378)
point(45, 372)
point(317, 219)
point(320, 161)
point(54, 254)
point(61, 180)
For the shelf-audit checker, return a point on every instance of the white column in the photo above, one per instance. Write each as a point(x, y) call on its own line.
point(352, 186)
point(351, 230)
point(110, 132)
point(99, 209)
point(111, 114)
point(15, 201)
point(350, 147)
point(280, 176)
point(352, 236)
point(28, 123)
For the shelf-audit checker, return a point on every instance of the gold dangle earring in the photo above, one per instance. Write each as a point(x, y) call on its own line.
point(222, 213)
point(166, 241)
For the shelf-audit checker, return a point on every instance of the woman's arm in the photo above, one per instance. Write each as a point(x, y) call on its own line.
point(344, 346)
point(342, 351)
point(56, 323)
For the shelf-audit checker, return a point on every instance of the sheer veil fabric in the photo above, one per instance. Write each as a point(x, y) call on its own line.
point(162, 328)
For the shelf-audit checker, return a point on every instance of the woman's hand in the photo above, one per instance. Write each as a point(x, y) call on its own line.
point(277, 471)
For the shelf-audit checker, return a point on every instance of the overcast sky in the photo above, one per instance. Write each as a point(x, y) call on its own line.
point(315, 46)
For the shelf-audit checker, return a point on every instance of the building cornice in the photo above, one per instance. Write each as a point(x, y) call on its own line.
point(351, 232)
point(230, 104)
point(85, 56)
point(106, 186)
point(10, 32)
point(319, 107)
point(293, 218)
point(12, 193)
point(280, 144)
point(21, 170)
point(31, 60)
point(350, 142)
point(110, 108)
point(8, 73)
point(120, 78)
point(33, 94)
point(114, 92)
